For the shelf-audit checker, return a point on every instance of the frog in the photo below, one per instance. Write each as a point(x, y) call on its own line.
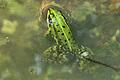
point(65, 50)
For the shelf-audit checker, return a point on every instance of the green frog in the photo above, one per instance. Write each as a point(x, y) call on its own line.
point(65, 49)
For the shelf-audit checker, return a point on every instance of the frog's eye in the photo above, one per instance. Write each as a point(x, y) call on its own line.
point(51, 15)
point(49, 20)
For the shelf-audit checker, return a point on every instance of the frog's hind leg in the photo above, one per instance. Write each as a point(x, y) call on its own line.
point(55, 54)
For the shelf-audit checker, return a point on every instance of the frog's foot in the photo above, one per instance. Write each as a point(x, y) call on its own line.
point(81, 54)
point(55, 54)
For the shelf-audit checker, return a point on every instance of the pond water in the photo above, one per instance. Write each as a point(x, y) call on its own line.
point(95, 24)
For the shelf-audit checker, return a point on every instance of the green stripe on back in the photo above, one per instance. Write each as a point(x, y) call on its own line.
point(63, 30)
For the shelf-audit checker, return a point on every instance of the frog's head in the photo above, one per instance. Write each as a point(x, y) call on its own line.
point(45, 10)
point(47, 5)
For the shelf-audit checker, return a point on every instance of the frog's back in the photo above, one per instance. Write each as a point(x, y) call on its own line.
point(59, 28)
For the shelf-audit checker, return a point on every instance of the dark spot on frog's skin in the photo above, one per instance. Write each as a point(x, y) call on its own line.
point(69, 32)
point(62, 33)
point(63, 26)
point(65, 40)
point(69, 39)
point(49, 17)
point(58, 31)
point(49, 25)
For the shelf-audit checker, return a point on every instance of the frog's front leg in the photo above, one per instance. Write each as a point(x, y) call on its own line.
point(82, 53)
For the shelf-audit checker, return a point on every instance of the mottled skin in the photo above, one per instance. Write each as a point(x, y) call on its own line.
point(59, 29)
point(65, 50)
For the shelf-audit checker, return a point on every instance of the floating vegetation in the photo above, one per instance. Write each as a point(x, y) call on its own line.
point(9, 27)
point(3, 40)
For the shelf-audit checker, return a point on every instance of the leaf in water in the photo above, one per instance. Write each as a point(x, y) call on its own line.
point(3, 41)
point(9, 27)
